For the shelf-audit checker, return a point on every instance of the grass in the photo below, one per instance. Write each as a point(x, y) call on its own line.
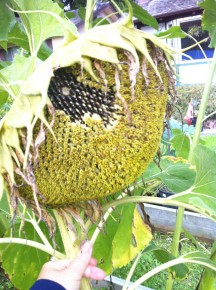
point(148, 262)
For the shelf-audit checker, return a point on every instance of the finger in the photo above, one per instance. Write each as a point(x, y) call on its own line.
point(58, 265)
point(81, 261)
point(93, 262)
point(94, 273)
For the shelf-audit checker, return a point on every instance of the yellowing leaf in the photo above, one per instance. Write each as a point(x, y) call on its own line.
point(141, 234)
point(6, 162)
point(138, 239)
point(125, 236)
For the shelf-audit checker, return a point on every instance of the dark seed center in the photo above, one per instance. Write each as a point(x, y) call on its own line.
point(77, 99)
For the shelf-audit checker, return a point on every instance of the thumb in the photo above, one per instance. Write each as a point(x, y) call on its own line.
point(82, 260)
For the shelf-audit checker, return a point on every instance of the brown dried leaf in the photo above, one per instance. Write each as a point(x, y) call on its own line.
point(133, 70)
point(101, 73)
point(144, 72)
point(118, 85)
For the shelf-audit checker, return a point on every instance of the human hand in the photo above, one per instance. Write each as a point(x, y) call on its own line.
point(69, 273)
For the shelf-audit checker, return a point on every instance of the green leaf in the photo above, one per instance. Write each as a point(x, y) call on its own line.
point(143, 15)
point(18, 37)
point(70, 14)
point(162, 255)
point(181, 143)
point(194, 241)
point(10, 81)
point(202, 194)
point(44, 51)
point(200, 258)
point(1, 186)
point(208, 279)
point(4, 212)
point(23, 263)
point(40, 26)
point(82, 13)
point(3, 97)
point(176, 175)
point(209, 19)
point(173, 32)
point(125, 235)
point(7, 18)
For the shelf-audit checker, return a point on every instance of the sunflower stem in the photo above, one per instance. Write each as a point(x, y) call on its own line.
point(175, 244)
point(40, 233)
point(153, 200)
point(97, 231)
point(68, 237)
point(71, 249)
point(89, 14)
point(33, 244)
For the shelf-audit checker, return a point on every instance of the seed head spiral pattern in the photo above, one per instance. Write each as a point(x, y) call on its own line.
point(103, 143)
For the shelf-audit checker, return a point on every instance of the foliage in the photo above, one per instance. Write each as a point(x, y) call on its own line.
point(210, 142)
point(21, 276)
point(202, 193)
point(149, 261)
point(175, 173)
point(208, 22)
point(111, 249)
point(5, 106)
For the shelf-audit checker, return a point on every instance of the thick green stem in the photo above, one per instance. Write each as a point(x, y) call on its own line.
point(89, 14)
point(68, 238)
point(153, 200)
point(177, 232)
point(33, 244)
point(175, 243)
point(40, 233)
point(71, 249)
point(202, 108)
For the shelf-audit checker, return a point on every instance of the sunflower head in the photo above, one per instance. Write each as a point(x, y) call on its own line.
point(92, 117)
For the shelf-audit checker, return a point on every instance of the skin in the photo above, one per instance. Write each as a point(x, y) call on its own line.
point(69, 273)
